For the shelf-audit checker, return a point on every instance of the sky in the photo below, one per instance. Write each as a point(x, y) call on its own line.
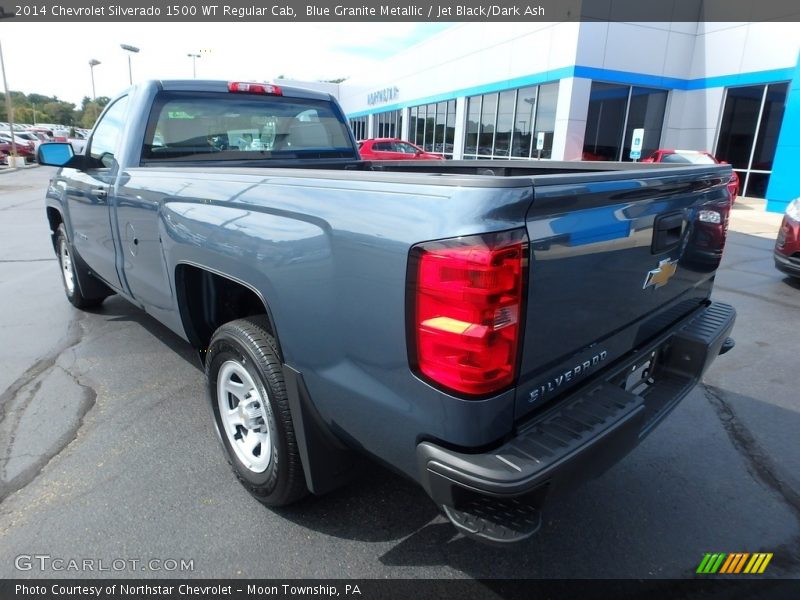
point(53, 58)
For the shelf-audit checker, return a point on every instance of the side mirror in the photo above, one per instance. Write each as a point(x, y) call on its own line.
point(62, 154)
point(54, 154)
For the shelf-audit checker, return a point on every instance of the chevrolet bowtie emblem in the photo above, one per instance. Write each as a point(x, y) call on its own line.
point(661, 275)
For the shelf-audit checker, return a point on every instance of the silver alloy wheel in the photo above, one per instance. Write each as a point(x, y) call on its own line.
point(66, 266)
point(244, 416)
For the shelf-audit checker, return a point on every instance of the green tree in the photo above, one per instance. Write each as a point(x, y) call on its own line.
point(61, 112)
point(89, 115)
point(24, 114)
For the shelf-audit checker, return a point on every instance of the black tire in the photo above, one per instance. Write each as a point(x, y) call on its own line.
point(71, 271)
point(238, 349)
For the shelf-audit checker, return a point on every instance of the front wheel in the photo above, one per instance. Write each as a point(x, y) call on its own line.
point(251, 411)
point(69, 272)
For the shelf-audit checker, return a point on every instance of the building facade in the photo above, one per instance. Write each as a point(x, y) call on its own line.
point(576, 91)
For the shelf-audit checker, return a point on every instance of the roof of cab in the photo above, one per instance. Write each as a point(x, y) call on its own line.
point(213, 85)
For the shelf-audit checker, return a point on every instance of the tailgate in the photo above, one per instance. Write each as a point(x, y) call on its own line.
point(616, 258)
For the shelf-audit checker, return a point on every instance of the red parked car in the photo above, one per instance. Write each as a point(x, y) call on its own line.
point(694, 157)
point(24, 151)
point(393, 149)
point(787, 246)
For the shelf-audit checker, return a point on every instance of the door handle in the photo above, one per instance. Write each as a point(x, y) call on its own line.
point(667, 232)
point(100, 193)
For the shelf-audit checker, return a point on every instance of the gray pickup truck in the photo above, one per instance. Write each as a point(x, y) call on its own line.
point(497, 331)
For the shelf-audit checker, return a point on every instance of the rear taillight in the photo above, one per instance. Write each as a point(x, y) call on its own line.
point(466, 306)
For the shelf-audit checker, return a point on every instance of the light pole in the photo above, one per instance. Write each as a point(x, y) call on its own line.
point(194, 58)
point(130, 50)
point(92, 64)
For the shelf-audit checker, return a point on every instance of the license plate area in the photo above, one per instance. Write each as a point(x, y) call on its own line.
point(641, 375)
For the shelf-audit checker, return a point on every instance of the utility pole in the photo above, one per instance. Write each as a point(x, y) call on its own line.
point(9, 106)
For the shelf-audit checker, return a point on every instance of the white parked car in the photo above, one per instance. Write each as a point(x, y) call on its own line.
point(78, 142)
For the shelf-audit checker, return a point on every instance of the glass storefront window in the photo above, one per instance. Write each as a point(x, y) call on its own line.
point(504, 124)
point(770, 126)
point(546, 118)
point(473, 122)
point(523, 122)
point(441, 124)
point(433, 126)
point(450, 128)
point(505, 121)
point(420, 134)
point(748, 133)
point(605, 121)
point(739, 119)
point(614, 112)
point(388, 124)
point(430, 128)
point(646, 111)
point(488, 116)
point(359, 127)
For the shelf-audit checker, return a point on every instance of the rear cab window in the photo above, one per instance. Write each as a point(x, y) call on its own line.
point(191, 126)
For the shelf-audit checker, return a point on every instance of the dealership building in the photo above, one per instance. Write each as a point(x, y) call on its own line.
point(578, 90)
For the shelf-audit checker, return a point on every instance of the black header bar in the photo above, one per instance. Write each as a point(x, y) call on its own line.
point(387, 589)
point(398, 10)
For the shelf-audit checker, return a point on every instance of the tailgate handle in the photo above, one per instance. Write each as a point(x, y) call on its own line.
point(667, 232)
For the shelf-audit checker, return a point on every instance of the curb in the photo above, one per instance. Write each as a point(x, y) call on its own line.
point(4, 169)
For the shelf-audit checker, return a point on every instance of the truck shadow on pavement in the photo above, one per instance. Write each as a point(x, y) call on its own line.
point(653, 515)
point(680, 494)
point(377, 506)
point(116, 309)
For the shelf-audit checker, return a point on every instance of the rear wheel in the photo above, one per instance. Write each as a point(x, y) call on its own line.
point(251, 411)
point(70, 271)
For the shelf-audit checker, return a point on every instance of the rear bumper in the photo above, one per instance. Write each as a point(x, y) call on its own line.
point(497, 495)
point(787, 264)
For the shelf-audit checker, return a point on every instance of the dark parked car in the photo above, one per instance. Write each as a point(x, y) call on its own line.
point(694, 157)
point(787, 246)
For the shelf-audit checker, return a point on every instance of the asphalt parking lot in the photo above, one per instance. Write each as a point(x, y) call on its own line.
point(108, 451)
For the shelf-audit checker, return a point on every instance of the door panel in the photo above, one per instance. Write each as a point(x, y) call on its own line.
point(138, 215)
point(87, 203)
point(90, 193)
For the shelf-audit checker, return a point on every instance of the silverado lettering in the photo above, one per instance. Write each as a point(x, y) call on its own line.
point(553, 384)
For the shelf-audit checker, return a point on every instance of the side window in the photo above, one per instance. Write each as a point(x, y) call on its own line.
point(382, 147)
point(407, 148)
point(107, 133)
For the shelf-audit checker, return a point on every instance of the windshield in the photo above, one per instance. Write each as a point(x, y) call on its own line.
point(214, 126)
point(688, 158)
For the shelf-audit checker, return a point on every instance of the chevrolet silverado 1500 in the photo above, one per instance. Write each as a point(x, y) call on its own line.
point(497, 331)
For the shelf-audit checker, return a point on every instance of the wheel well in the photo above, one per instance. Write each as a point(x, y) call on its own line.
point(208, 300)
point(55, 219)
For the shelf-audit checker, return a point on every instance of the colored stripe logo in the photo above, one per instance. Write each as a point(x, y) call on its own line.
point(734, 563)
